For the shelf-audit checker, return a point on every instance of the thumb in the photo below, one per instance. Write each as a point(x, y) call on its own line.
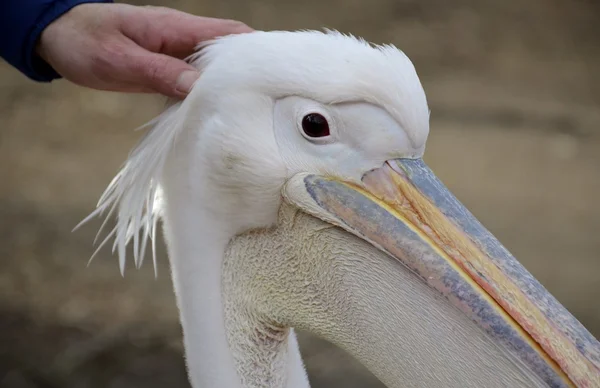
point(164, 74)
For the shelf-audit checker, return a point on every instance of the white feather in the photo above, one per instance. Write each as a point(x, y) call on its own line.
point(134, 192)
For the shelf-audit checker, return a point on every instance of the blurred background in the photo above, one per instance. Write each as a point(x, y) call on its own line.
point(514, 89)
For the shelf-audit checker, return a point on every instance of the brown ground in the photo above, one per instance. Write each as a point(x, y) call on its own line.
point(515, 97)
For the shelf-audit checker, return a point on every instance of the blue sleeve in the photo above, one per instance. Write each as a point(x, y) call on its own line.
point(21, 23)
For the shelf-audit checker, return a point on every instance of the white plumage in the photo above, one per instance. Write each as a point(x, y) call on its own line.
point(215, 169)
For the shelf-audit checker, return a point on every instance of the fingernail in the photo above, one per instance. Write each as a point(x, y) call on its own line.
point(186, 80)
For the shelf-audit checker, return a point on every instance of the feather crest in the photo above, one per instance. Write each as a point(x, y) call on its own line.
point(134, 193)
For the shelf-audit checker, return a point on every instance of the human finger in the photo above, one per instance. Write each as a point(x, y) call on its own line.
point(176, 33)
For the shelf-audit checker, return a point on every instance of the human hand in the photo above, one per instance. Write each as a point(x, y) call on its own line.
point(126, 48)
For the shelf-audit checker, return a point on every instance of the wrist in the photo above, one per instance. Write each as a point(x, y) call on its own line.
point(40, 48)
point(41, 38)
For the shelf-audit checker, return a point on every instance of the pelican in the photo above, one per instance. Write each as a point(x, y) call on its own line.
point(292, 194)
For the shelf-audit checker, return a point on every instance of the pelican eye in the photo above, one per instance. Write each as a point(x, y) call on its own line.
point(315, 125)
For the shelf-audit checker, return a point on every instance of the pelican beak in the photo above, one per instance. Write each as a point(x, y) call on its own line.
point(404, 210)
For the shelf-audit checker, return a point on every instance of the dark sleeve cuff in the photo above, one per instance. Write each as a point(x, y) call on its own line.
point(27, 19)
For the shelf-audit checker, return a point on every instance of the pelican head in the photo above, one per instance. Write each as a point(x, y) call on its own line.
point(292, 193)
